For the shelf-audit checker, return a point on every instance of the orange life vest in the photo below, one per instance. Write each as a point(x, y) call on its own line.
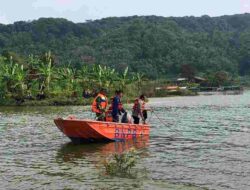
point(103, 104)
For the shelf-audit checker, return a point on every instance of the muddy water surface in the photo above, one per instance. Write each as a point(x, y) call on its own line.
point(198, 142)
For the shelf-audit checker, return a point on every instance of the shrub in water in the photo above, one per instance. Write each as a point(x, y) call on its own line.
point(121, 164)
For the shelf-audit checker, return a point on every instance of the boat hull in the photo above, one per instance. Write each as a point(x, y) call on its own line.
point(82, 131)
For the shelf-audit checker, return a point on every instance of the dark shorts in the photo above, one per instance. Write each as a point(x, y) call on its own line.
point(145, 114)
point(136, 120)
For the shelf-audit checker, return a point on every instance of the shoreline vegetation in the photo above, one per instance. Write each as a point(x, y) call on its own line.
point(40, 82)
point(59, 101)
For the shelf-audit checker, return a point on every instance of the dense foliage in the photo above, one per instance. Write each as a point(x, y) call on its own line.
point(39, 79)
point(155, 46)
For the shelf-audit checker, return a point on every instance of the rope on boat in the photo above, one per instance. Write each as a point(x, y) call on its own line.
point(164, 123)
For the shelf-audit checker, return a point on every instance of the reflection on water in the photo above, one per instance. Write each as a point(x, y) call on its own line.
point(200, 143)
point(71, 152)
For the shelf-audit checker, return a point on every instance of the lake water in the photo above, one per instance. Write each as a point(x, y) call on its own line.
point(200, 142)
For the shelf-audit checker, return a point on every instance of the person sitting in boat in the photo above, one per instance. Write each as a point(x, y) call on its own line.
point(139, 110)
point(117, 107)
point(100, 104)
point(126, 118)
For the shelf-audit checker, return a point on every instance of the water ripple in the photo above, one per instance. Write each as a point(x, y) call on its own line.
point(198, 143)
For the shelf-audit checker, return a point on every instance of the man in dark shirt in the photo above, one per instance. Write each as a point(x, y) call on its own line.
point(117, 107)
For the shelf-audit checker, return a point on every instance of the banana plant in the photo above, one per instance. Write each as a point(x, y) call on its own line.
point(138, 79)
point(108, 76)
point(69, 78)
point(97, 75)
point(20, 80)
point(14, 77)
point(124, 79)
point(103, 76)
point(46, 71)
point(84, 76)
point(8, 74)
point(33, 73)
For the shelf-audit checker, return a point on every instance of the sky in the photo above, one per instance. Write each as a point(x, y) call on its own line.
point(82, 10)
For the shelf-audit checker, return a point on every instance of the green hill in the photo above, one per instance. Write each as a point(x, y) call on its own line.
point(156, 46)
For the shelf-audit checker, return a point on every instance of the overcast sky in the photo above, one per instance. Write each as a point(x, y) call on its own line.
point(82, 10)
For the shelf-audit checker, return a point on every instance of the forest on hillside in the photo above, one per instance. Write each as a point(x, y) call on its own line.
point(158, 47)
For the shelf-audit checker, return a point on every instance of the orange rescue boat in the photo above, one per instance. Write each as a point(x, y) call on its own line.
point(80, 131)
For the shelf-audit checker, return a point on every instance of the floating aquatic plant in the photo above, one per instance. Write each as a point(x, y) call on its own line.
point(121, 163)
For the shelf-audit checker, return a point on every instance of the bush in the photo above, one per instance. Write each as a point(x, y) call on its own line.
point(121, 164)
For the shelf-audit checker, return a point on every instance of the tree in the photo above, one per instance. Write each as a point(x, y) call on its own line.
point(188, 71)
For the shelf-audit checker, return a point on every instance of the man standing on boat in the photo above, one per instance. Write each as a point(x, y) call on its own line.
point(117, 107)
point(139, 110)
point(100, 104)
